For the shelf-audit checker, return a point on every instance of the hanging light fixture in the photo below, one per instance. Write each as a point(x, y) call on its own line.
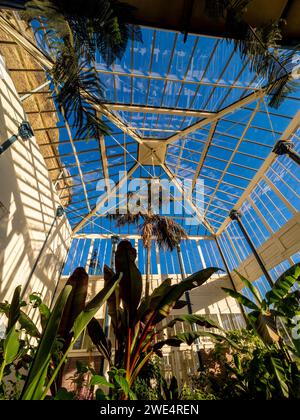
point(25, 132)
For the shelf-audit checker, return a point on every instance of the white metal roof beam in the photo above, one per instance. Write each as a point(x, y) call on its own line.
point(204, 153)
point(105, 199)
point(231, 108)
point(129, 236)
point(286, 135)
point(173, 178)
point(157, 110)
point(233, 155)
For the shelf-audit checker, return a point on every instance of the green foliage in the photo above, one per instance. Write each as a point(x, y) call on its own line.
point(33, 387)
point(267, 371)
point(260, 45)
point(280, 305)
point(250, 370)
point(190, 393)
point(49, 354)
point(135, 322)
point(71, 33)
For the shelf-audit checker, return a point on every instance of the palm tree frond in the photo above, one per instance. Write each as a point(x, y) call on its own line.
point(77, 89)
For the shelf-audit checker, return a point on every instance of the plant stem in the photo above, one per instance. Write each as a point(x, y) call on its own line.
point(128, 354)
point(139, 367)
point(2, 370)
point(141, 341)
point(62, 360)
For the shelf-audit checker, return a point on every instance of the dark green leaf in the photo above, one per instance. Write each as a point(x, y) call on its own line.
point(173, 294)
point(37, 373)
point(251, 287)
point(100, 381)
point(14, 308)
point(283, 284)
point(280, 373)
point(194, 319)
point(11, 346)
point(243, 300)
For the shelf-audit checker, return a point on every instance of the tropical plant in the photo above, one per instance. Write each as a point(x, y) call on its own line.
point(261, 45)
point(163, 229)
point(267, 371)
point(41, 375)
point(71, 34)
point(136, 324)
point(274, 314)
point(249, 370)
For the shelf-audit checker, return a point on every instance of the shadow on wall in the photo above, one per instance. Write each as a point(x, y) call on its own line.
point(28, 204)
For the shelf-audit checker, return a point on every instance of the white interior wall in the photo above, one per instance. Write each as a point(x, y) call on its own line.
point(28, 202)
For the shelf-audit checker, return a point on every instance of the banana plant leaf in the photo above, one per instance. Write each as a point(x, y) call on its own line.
point(98, 338)
point(75, 303)
point(131, 284)
point(173, 294)
point(251, 287)
point(37, 373)
point(283, 284)
point(243, 300)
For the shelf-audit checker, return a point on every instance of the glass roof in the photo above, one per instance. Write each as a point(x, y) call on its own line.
point(186, 95)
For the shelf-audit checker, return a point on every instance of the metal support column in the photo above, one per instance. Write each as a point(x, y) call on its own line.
point(58, 214)
point(189, 305)
point(235, 215)
point(230, 277)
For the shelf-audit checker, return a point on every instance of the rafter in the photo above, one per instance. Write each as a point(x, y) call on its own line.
point(157, 110)
point(105, 198)
point(286, 135)
point(172, 177)
point(204, 153)
point(229, 109)
point(229, 161)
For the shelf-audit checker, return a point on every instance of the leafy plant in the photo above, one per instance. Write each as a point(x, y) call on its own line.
point(136, 324)
point(249, 370)
point(280, 305)
point(270, 372)
point(260, 45)
point(165, 231)
point(41, 375)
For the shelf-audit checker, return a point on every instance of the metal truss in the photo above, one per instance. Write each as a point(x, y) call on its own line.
point(205, 120)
